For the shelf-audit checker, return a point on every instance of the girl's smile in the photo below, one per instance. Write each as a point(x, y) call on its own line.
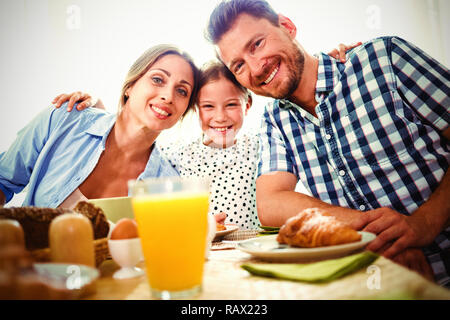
point(222, 107)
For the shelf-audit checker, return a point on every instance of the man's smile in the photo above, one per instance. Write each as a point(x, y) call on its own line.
point(271, 75)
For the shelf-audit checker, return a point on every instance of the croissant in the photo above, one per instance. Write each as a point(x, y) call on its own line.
point(315, 228)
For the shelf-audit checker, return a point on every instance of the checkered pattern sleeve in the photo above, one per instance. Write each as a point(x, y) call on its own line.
point(273, 154)
point(423, 82)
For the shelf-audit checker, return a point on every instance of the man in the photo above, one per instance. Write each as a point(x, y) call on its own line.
point(369, 138)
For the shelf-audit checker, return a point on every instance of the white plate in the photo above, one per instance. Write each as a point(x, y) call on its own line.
point(267, 248)
point(76, 278)
point(230, 228)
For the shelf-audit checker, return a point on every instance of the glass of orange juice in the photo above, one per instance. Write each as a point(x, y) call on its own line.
point(172, 218)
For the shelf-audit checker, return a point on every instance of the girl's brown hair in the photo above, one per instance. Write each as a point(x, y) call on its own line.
point(214, 70)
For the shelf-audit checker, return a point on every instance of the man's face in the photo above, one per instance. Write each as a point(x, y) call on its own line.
point(264, 58)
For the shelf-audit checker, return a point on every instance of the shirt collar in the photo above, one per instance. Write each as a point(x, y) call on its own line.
point(158, 165)
point(99, 126)
point(328, 74)
point(100, 123)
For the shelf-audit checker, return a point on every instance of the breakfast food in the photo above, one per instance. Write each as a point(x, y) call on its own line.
point(11, 233)
point(96, 215)
point(19, 279)
point(220, 227)
point(71, 240)
point(35, 221)
point(125, 228)
point(315, 228)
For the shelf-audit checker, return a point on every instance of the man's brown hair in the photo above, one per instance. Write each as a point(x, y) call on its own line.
point(223, 16)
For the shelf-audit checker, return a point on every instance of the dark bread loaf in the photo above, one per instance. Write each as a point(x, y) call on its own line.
point(96, 215)
point(36, 221)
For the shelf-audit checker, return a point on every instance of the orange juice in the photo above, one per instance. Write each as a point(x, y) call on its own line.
point(173, 229)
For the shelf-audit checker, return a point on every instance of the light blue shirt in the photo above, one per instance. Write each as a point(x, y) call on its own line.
point(57, 151)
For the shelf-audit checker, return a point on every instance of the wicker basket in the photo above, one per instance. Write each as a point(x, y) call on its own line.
point(101, 252)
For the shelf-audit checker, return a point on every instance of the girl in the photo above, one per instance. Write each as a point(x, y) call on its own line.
point(65, 157)
point(228, 161)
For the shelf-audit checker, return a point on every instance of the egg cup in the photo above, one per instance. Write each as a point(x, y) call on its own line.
point(126, 253)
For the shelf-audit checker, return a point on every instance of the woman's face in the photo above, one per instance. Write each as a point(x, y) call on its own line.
point(161, 96)
point(222, 107)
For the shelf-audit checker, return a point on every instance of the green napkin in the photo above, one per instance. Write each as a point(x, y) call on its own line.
point(265, 230)
point(322, 271)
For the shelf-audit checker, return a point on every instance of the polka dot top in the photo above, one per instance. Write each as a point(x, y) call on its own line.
point(232, 172)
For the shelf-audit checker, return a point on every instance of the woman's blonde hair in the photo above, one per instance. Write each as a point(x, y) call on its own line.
point(146, 60)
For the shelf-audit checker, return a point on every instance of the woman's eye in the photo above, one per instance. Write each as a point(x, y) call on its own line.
point(157, 80)
point(183, 92)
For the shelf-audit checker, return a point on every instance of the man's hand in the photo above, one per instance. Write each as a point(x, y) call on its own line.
point(415, 260)
point(395, 232)
point(85, 101)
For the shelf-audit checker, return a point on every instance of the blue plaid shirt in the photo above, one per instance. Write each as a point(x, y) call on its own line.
point(376, 140)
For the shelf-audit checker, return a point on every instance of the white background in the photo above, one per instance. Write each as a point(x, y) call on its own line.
point(59, 46)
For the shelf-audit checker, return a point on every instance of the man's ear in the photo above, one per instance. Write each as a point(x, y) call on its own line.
point(288, 25)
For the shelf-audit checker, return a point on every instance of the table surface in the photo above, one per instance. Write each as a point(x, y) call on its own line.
point(224, 279)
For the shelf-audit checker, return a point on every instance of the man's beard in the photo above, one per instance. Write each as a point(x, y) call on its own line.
point(297, 64)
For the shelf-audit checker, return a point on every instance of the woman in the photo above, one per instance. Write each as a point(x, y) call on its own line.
point(65, 157)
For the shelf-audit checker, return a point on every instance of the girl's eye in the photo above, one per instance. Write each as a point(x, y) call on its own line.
point(231, 105)
point(207, 106)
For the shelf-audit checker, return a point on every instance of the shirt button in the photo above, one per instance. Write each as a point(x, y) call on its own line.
point(342, 173)
point(362, 207)
point(328, 136)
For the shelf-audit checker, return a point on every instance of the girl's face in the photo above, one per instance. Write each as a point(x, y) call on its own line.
point(160, 97)
point(222, 107)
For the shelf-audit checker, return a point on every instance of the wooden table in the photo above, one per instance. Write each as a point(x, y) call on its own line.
point(224, 279)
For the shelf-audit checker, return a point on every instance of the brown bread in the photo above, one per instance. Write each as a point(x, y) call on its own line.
point(36, 221)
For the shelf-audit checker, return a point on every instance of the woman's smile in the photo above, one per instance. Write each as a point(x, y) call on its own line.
point(161, 112)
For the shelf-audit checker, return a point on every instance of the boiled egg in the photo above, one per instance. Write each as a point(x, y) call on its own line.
point(125, 228)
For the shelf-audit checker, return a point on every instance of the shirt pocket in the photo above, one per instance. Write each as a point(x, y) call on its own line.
point(379, 131)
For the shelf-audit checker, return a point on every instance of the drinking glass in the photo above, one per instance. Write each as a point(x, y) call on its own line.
point(172, 218)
